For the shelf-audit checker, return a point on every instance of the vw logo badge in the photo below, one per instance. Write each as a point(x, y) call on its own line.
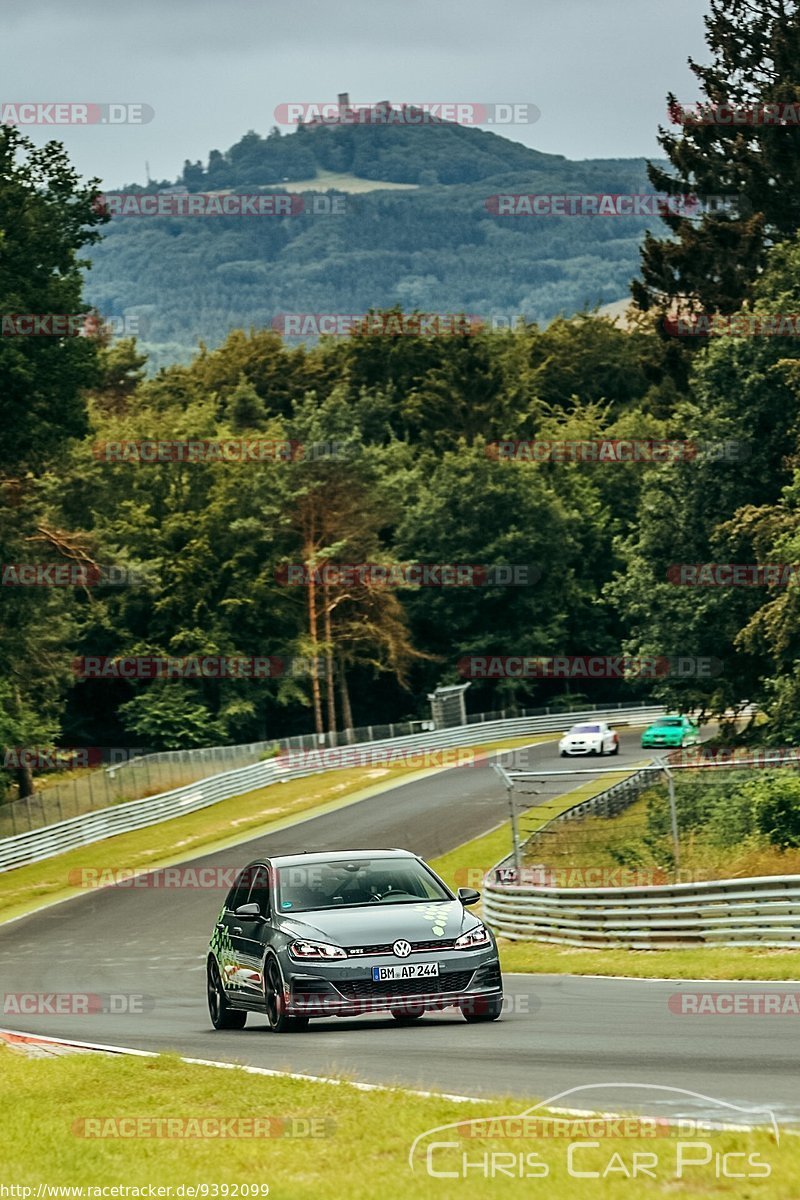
point(401, 949)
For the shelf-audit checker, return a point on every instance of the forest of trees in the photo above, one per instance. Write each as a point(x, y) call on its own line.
point(397, 468)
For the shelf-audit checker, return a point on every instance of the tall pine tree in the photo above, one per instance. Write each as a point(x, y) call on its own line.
point(710, 262)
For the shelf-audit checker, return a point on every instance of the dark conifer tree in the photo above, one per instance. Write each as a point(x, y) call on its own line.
point(711, 260)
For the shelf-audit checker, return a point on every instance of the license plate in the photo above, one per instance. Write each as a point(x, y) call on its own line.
point(423, 970)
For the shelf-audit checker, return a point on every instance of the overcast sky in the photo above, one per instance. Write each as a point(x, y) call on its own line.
point(598, 70)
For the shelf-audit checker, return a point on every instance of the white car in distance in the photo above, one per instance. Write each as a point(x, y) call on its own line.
point(590, 737)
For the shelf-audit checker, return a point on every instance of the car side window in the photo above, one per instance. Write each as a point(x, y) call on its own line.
point(259, 892)
point(238, 893)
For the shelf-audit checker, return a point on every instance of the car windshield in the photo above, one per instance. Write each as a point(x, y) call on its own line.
point(669, 721)
point(304, 887)
point(585, 729)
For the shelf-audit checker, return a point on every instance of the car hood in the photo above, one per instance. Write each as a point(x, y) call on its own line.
point(375, 924)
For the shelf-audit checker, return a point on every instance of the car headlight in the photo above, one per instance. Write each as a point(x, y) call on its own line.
point(306, 950)
point(479, 936)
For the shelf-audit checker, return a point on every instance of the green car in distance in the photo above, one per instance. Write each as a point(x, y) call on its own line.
point(672, 732)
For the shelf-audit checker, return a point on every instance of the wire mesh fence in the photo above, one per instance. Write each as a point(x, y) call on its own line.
point(151, 774)
point(95, 789)
point(672, 822)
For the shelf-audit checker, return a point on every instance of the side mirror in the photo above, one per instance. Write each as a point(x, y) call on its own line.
point(468, 896)
point(250, 912)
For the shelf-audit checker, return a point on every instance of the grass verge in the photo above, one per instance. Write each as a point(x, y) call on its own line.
point(696, 962)
point(214, 828)
point(363, 1150)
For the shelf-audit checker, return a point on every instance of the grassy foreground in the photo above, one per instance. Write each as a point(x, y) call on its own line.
point(219, 825)
point(358, 1148)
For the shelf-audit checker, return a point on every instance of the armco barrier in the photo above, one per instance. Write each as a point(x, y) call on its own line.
point(730, 912)
point(136, 814)
point(762, 911)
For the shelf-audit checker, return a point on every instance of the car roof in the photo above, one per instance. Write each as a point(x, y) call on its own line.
point(328, 856)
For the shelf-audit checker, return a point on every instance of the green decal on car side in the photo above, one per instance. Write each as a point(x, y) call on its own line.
point(222, 947)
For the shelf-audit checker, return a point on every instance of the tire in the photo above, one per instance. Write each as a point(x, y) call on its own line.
point(563, 753)
point(616, 748)
point(222, 1015)
point(406, 1015)
point(275, 1003)
point(481, 1009)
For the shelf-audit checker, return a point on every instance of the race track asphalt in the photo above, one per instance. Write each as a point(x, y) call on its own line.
point(146, 946)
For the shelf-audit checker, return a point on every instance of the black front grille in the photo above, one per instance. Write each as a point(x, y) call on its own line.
point(367, 989)
point(386, 948)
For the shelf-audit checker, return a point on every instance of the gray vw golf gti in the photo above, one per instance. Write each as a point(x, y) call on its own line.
point(346, 933)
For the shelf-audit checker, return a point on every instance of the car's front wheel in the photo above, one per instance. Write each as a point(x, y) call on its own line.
point(222, 1015)
point(482, 1009)
point(275, 1001)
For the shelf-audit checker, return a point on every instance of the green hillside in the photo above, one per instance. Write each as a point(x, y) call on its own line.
point(432, 245)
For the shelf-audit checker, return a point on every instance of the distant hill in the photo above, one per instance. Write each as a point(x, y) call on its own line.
point(433, 244)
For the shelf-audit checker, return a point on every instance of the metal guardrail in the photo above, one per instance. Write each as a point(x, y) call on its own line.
point(763, 911)
point(136, 814)
point(760, 911)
